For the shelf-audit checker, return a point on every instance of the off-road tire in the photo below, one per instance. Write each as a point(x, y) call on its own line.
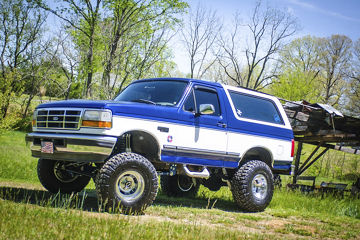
point(55, 180)
point(127, 182)
point(173, 186)
point(247, 186)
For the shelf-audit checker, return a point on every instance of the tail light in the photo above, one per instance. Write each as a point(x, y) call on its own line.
point(292, 147)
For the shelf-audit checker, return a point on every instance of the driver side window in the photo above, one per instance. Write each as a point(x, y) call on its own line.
point(200, 96)
point(190, 103)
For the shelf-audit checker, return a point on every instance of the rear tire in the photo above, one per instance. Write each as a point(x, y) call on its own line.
point(127, 182)
point(178, 186)
point(252, 186)
point(55, 178)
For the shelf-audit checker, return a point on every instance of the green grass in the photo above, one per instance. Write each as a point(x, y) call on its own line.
point(15, 157)
point(49, 223)
point(29, 212)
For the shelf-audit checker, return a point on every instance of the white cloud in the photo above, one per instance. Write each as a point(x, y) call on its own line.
point(323, 11)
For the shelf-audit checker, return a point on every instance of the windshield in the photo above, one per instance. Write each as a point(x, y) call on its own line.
point(166, 93)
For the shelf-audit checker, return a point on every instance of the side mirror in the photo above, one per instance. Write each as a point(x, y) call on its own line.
point(206, 109)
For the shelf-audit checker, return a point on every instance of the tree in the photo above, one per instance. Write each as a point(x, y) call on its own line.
point(21, 24)
point(298, 76)
point(138, 36)
point(267, 29)
point(294, 84)
point(69, 65)
point(353, 105)
point(335, 57)
point(36, 73)
point(199, 35)
point(303, 54)
point(82, 16)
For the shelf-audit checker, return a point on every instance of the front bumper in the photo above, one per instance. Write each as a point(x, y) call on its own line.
point(72, 147)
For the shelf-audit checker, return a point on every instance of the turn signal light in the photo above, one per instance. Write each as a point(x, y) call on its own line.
point(97, 124)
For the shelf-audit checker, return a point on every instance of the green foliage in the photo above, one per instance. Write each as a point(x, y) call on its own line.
point(11, 89)
point(353, 104)
point(299, 71)
point(75, 91)
point(296, 85)
point(136, 35)
point(335, 61)
point(332, 166)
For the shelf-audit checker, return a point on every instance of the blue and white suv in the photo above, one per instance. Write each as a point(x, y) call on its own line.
point(190, 132)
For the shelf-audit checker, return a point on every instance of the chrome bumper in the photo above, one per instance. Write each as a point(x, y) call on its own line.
point(72, 147)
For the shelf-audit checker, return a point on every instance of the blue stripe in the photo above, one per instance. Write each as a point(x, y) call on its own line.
point(203, 155)
point(198, 161)
point(282, 165)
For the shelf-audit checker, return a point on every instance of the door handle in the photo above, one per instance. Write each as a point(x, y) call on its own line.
point(163, 129)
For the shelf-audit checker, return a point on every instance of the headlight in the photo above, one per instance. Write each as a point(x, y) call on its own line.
point(97, 118)
point(34, 118)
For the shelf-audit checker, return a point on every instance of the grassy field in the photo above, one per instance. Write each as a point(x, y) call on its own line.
point(27, 211)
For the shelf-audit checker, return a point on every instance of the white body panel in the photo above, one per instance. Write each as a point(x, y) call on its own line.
point(179, 135)
point(241, 143)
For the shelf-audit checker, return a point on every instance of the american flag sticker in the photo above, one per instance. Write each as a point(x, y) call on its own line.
point(47, 147)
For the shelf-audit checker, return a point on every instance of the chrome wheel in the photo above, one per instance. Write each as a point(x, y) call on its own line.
point(259, 186)
point(62, 175)
point(130, 186)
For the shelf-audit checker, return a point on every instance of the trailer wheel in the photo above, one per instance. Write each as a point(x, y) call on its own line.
point(127, 182)
point(252, 186)
point(54, 177)
point(178, 186)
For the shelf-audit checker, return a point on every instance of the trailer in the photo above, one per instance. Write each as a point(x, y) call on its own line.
point(326, 128)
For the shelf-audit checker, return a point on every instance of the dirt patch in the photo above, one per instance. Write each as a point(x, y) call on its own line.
point(273, 223)
point(28, 186)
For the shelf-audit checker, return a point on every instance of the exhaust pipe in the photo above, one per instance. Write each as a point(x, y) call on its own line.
point(204, 174)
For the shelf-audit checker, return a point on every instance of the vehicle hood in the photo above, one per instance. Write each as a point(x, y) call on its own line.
point(75, 104)
point(118, 108)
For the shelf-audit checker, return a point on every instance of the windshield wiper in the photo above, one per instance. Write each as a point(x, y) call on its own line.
point(144, 101)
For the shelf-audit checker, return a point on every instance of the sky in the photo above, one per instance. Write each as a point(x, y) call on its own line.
point(320, 18)
point(317, 17)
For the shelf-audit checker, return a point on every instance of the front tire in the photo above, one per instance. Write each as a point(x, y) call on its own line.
point(252, 186)
point(54, 177)
point(178, 186)
point(128, 182)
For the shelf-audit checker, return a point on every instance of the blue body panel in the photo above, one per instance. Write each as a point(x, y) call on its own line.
point(175, 114)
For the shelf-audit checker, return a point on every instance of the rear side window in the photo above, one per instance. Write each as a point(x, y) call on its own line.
point(255, 108)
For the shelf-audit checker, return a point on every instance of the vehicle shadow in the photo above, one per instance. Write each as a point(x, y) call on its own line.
point(87, 200)
point(200, 202)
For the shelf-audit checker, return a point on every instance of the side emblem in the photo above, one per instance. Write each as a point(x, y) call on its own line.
point(170, 139)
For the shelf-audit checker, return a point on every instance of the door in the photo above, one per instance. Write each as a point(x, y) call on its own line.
point(203, 138)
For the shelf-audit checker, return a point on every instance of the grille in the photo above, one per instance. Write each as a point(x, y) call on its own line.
point(59, 119)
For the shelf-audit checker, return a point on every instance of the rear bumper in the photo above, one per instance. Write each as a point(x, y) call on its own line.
point(72, 147)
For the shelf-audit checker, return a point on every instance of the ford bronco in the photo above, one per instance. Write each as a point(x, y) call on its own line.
point(188, 132)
